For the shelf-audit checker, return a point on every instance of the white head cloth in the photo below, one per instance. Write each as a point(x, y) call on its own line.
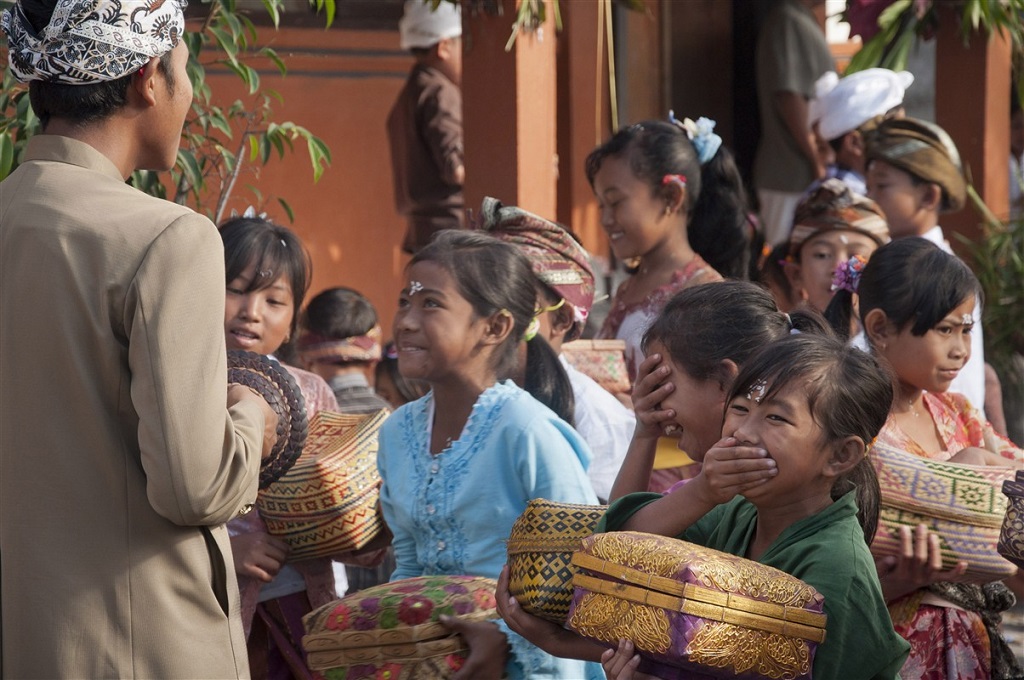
point(422, 27)
point(90, 41)
point(841, 105)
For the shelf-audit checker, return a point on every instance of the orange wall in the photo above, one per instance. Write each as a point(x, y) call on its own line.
point(340, 85)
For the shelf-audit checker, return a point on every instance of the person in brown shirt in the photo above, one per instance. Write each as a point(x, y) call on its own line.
point(425, 125)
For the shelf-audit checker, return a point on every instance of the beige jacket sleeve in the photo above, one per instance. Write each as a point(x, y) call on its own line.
point(200, 458)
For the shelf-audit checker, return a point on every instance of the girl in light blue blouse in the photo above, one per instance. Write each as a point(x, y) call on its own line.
point(460, 464)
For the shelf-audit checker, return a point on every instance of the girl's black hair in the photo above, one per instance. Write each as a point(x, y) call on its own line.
point(492, 276)
point(409, 389)
point(703, 326)
point(849, 393)
point(718, 229)
point(654, 149)
point(913, 281)
point(339, 313)
point(273, 249)
point(545, 378)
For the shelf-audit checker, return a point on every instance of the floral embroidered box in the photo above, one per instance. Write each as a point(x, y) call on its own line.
point(693, 610)
point(1011, 537)
point(602, 360)
point(393, 630)
point(328, 502)
point(540, 550)
point(961, 503)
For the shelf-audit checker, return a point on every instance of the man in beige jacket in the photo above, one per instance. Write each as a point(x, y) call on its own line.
point(122, 451)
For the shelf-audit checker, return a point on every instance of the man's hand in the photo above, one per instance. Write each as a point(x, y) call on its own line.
point(239, 393)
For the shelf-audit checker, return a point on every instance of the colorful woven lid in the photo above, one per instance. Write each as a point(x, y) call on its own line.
point(327, 503)
point(397, 624)
point(941, 489)
point(273, 382)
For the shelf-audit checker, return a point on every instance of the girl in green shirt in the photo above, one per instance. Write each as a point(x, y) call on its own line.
point(789, 485)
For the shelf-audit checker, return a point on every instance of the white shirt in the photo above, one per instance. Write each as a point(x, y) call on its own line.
point(971, 379)
point(605, 424)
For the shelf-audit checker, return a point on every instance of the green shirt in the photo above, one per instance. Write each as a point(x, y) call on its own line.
point(826, 551)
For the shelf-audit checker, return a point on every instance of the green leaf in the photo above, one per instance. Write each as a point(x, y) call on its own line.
point(229, 158)
point(6, 154)
point(220, 122)
point(273, 11)
point(254, 148)
point(226, 43)
point(319, 155)
point(287, 209)
point(190, 169)
point(264, 148)
point(277, 140)
point(278, 62)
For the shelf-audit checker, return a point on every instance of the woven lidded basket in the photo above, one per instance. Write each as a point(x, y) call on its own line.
point(274, 383)
point(1011, 536)
point(960, 503)
point(604, 361)
point(690, 609)
point(393, 630)
point(328, 501)
point(540, 549)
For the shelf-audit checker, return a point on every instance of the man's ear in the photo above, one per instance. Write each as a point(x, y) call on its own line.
point(878, 329)
point(845, 456)
point(931, 197)
point(854, 143)
point(444, 49)
point(142, 86)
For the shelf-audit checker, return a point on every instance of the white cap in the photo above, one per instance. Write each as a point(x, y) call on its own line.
point(841, 105)
point(423, 27)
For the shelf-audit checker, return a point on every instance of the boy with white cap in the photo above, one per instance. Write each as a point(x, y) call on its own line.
point(844, 110)
point(425, 124)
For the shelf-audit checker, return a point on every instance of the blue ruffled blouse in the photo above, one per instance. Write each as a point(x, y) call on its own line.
point(451, 513)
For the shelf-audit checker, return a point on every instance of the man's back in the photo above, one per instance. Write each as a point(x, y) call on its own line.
point(118, 460)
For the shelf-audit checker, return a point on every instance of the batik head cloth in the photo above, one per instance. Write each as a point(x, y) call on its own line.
point(924, 150)
point(832, 207)
point(557, 259)
point(91, 41)
point(314, 348)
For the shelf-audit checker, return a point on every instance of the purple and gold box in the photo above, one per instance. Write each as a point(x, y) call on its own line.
point(693, 610)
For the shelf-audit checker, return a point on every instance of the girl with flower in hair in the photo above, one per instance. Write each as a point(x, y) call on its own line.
point(917, 305)
point(832, 224)
point(647, 179)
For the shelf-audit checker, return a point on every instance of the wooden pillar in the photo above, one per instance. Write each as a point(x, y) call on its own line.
point(642, 64)
point(972, 103)
point(508, 101)
point(702, 34)
point(583, 118)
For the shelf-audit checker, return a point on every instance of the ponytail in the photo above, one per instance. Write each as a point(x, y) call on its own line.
point(546, 380)
point(839, 313)
point(863, 481)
